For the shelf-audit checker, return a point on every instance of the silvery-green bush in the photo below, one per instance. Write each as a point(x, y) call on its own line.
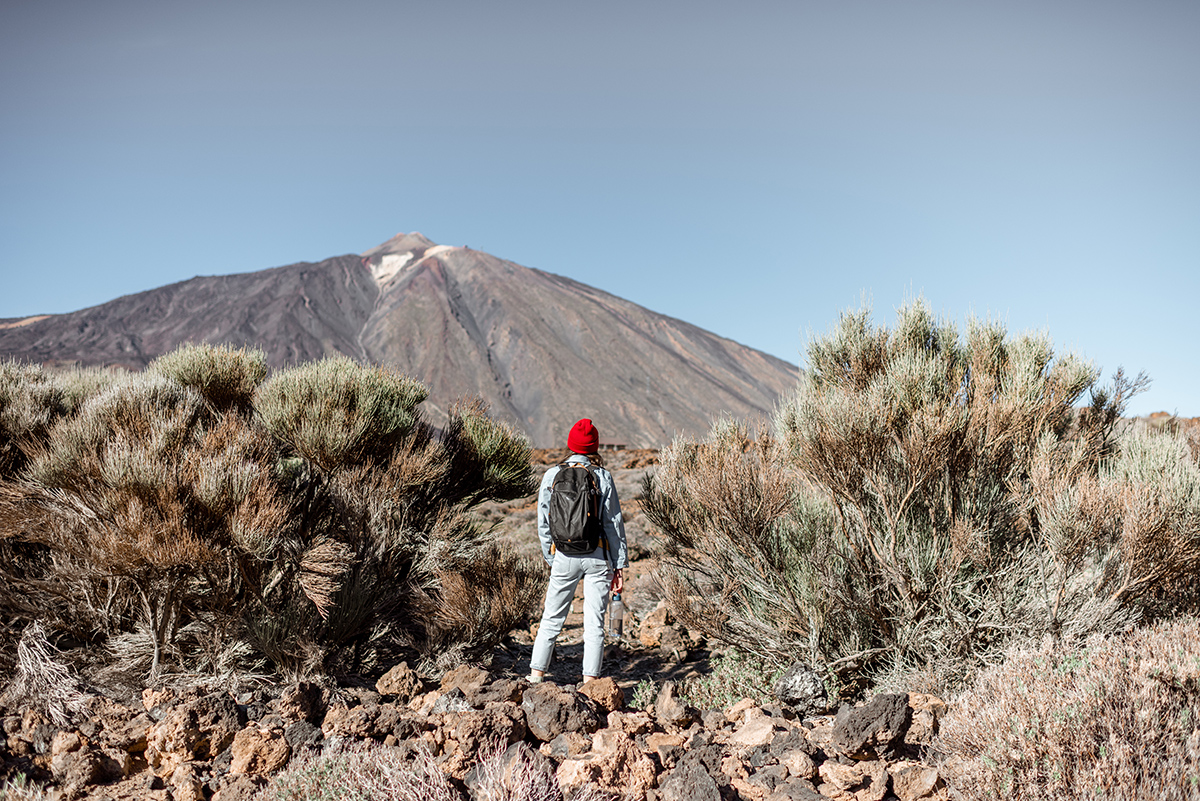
point(927, 497)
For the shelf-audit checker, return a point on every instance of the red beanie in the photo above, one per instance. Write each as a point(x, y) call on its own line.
point(584, 438)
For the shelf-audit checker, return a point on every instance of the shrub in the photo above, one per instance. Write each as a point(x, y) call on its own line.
point(29, 405)
point(42, 682)
point(644, 694)
point(225, 377)
point(326, 529)
point(734, 676)
point(927, 499)
point(78, 384)
point(1115, 718)
point(336, 413)
point(738, 542)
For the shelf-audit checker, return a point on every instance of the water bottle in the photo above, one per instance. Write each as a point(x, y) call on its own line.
point(616, 617)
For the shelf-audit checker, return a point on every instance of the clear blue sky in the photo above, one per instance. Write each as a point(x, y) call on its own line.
point(753, 168)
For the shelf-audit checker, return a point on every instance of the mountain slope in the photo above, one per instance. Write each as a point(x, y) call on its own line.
point(542, 349)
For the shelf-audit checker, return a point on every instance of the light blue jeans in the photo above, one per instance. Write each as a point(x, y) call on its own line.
point(565, 575)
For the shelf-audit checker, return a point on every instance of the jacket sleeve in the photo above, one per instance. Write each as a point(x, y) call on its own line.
point(543, 514)
point(614, 524)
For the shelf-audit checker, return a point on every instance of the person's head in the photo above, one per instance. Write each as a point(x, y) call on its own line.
point(584, 438)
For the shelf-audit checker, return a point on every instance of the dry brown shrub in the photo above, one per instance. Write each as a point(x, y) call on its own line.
point(20, 788)
point(180, 533)
point(1116, 718)
point(737, 537)
point(473, 604)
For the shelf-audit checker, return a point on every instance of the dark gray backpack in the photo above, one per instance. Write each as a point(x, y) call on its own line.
point(575, 526)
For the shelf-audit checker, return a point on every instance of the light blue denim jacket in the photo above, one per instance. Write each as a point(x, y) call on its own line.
point(610, 514)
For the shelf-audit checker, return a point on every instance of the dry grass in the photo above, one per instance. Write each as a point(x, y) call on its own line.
point(21, 789)
point(1117, 718)
point(42, 682)
point(379, 773)
point(367, 772)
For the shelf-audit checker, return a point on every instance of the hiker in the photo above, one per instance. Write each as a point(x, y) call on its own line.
point(600, 569)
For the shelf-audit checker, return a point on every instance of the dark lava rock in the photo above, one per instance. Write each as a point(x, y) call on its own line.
point(551, 710)
point(873, 729)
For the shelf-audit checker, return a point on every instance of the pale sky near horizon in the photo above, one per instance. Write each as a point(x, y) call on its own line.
point(753, 168)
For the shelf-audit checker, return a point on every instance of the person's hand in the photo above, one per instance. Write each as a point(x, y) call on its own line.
point(618, 581)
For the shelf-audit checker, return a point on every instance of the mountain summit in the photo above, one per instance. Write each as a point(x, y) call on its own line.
point(542, 349)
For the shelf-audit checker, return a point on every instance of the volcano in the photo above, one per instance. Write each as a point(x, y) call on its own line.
point(543, 350)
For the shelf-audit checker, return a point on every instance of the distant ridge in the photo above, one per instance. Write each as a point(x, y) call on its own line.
point(542, 349)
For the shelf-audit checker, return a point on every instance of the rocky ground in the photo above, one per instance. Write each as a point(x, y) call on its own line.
point(195, 744)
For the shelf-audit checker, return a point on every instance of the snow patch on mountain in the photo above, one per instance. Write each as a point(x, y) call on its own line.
point(386, 268)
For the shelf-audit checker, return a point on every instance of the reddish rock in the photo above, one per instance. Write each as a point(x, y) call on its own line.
point(500, 690)
point(186, 784)
point(127, 732)
point(927, 712)
point(671, 713)
point(650, 631)
point(423, 704)
point(152, 697)
point(301, 701)
point(470, 731)
point(605, 693)
point(401, 681)
point(197, 727)
point(240, 788)
point(65, 742)
point(860, 781)
point(757, 729)
point(467, 678)
point(573, 774)
point(615, 765)
point(372, 720)
point(912, 781)
point(668, 747)
point(800, 764)
point(78, 769)
point(258, 752)
point(734, 713)
point(568, 744)
point(634, 723)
